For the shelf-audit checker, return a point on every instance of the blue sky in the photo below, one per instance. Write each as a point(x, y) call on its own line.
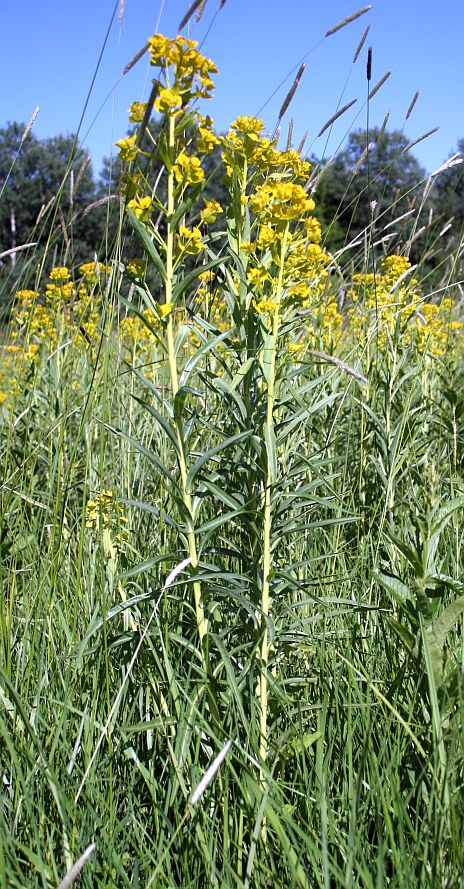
point(50, 52)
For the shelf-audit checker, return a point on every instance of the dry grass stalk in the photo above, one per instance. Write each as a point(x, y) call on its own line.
point(210, 773)
point(349, 18)
point(136, 58)
point(335, 117)
point(189, 13)
point(409, 111)
point(290, 134)
point(122, 8)
point(17, 249)
point(420, 139)
point(340, 364)
point(361, 44)
point(29, 127)
point(73, 874)
point(291, 92)
point(378, 85)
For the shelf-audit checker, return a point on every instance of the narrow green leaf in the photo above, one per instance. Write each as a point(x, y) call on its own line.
point(147, 243)
point(186, 281)
point(194, 470)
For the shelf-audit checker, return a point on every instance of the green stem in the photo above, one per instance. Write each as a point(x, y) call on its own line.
point(265, 598)
point(191, 542)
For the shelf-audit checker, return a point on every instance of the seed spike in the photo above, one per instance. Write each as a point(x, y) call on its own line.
point(300, 147)
point(136, 58)
point(369, 64)
point(361, 43)
point(361, 160)
point(347, 21)
point(380, 83)
point(420, 139)
point(383, 127)
point(409, 111)
point(335, 117)
point(291, 92)
point(290, 134)
point(189, 13)
point(201, 10)
point(122, 9)
point(147, 115)
point(29, 126)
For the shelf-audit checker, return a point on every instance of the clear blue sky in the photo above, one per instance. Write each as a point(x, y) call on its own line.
point(50, 51)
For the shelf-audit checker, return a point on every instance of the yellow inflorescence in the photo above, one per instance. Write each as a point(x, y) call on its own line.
point(104, 512)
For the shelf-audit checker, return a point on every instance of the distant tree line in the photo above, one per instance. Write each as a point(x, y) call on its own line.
point(372, 191)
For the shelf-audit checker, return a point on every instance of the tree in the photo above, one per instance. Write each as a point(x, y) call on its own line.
point(370, 180)
point(449, 193)
point(45, 186)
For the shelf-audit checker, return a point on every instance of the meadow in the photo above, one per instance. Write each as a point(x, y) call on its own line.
point(231, 536)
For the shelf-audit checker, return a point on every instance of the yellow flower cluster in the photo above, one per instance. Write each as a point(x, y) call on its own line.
point(192, 71)
point(104, 512)
point(142, 207)
point(245, 142)
point(189, 240)
point(280, 202)
point(391, 304)
point(211, 211)
point(94, 272)
point(188, 169)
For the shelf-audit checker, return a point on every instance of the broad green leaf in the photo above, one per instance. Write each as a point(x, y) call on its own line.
point(438, 632)
point(399, 591)
point(271, 450)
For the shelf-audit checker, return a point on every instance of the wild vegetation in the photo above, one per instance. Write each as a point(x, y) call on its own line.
point(231, 510)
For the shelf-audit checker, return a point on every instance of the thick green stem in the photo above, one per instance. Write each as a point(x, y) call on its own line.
point(192, 548)
point(265, 599)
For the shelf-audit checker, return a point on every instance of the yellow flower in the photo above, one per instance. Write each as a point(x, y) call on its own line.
point(93, 272)
point(248, 126)
point(136, 268)
point(188, 170)
point(142, 207)
point(296, 347)
point(168, 100)
point(137, 111)
point(127, 148)
point(257, 276)
point(210, 212)
point(206, 140)
point(266, 237)
point(265, 306)
point(189, 240)
point(164, 309)
point(313, 230)
point(60, 273)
